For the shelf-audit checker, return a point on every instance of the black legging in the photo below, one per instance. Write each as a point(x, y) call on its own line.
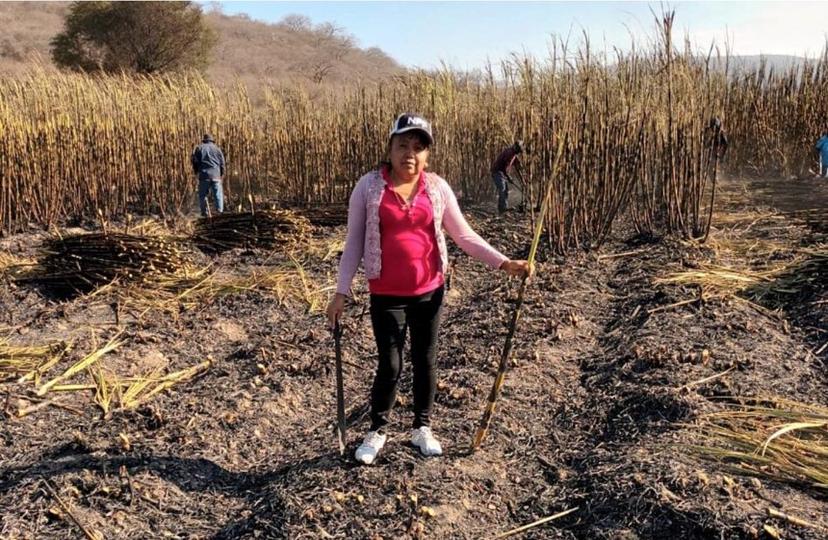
point(391, 316)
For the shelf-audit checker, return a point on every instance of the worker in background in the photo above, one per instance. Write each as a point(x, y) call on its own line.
point(208, 163)
point(504, 163)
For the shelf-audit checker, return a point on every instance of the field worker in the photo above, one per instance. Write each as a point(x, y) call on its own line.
point(717, 140)
point(208, 164)
point(396, 218)
point(822, 148)
point(507, 159)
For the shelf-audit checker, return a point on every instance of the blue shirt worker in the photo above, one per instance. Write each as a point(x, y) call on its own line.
point(822, 148)
point(208, 164)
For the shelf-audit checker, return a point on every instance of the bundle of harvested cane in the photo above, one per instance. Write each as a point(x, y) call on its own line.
point(326, 215)
point(85, 261)
point(268, 229)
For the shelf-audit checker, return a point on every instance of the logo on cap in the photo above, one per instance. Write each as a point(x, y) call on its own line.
point(416, 121)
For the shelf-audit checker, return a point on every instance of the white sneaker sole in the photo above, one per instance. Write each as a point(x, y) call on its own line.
point(424, 453)
point(366, 460)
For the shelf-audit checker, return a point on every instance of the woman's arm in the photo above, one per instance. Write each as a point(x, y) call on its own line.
point(355, 240)
point(460, 231)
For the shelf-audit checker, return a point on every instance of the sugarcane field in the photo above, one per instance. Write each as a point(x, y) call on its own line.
point(219, 317)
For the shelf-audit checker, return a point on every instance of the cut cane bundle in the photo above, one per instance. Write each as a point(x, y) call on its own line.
point(269, 229)
point(83, 262)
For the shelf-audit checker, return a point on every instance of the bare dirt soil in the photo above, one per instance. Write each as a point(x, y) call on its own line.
point(597, 412)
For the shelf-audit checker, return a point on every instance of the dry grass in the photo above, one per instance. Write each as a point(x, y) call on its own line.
point(29, 362)
point(803, 270)
point(107, 389)
point(287, 282)
point(6, 260)
point(808, 272)
point(747, 249)
point(14, 266)
point(135, 396)
point(772, 438)
point(722, 281)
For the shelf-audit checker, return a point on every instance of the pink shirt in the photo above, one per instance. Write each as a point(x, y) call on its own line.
point(410, 256)
point(364, 240)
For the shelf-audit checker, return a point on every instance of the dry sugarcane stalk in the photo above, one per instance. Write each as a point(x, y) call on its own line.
point(72, 387)
point(82, 262)
point(706, 379)
point(265, 228)
point(536, 523)
point(772, 512)
point(622, 254)
point(500, 377)
point(86, 362)
point(674, 305)
point(772, 531)
point(168, 381)
point(24, 411)
point(325, 215)
point(637, 134)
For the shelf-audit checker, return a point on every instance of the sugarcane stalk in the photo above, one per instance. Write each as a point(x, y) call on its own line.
point(536, 523)
point(500, 377)
point(168, 381)
point(715, 156)
point(86, 362)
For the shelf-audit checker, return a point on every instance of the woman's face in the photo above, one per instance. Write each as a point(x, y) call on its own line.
point(409, 155)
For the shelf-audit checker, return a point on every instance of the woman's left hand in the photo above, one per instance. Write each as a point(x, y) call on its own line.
point(518, 268)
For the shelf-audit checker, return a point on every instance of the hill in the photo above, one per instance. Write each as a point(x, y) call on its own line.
point(292, 50)
point(27, 29)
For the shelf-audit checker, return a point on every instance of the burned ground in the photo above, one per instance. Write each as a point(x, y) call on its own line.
point(607, 383)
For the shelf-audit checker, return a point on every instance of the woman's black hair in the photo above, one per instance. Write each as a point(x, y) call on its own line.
point(422, 137)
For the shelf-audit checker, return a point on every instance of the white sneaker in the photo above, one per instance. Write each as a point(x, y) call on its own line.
point(423, 439)
point(370, 447)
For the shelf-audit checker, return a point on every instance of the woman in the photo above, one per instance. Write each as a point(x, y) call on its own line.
point(396, 217)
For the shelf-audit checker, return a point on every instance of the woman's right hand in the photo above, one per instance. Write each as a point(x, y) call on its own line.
point(335, 308)
point(518, 268)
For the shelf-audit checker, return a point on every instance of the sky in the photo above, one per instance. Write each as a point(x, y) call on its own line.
point(467, 34)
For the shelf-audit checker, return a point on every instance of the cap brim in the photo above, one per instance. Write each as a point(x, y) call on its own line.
point(413, 128)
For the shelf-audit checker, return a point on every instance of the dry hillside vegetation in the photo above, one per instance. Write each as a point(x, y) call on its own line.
point(256, 53)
